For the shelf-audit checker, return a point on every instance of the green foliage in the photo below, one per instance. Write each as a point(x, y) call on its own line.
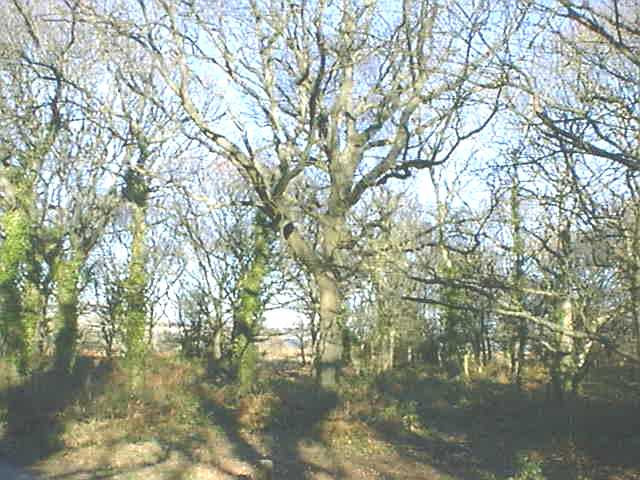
point(528, 469)
point(136, 189)
point(15, 247)
point(31, 313)
point(18, 297)
point(250, 285)
point(136, 348)
point(244, 352)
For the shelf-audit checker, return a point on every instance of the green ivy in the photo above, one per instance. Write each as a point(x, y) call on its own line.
point(244, 351)
point(17, 323)
point(247, 365)
point(528, 469)
point(136, 189)
point(67, 279)
point(15, 247)
point(135, 315)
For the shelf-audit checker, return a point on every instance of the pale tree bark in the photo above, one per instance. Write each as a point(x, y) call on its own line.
point(328, 364)
point(562, 366)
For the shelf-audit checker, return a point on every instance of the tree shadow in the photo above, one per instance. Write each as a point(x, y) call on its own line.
point(41, 408)
point(464, 430)
point(296, 407)
point(35, 408)
point(485, 426)
point(297, 425)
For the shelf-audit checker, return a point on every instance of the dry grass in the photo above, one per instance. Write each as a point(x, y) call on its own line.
point(255, 412)
point(178, 424)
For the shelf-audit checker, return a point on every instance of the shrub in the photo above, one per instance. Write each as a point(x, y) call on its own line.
point(528, 469)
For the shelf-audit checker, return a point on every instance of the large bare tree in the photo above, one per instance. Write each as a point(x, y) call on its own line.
point(318, 102)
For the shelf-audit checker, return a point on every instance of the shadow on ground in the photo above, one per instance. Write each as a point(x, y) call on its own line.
point(178, 424)
point(278, 423)
point(484, 427)
point(34, 409)
point(183, 424)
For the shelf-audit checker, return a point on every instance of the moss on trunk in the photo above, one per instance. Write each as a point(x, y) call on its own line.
point(17, 323)
point(67, 279)
point(244, 352)
point(135, 316)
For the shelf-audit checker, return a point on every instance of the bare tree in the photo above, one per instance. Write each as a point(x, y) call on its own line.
point(336, 97)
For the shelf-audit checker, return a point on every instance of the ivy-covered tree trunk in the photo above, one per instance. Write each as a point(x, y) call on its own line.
point(18, 322)
point(67, 278)
point(244, 353)
point(135, 300)
point(134, 291)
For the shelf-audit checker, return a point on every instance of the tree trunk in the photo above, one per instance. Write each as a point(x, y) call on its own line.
point(136, 192)
point(135, 298)
point(328, 344)
point(520, 343)
point(314, 333)
point(216, 344)
point(386, 347)
point(513, 358)
point(563, 365)
point(303, 355)
point(635, 307)
point(67, 279)
point(244, 351)
point(329, 363)
point(18, 323)
point(11, 328)
point(484, 340)
point(522, 346)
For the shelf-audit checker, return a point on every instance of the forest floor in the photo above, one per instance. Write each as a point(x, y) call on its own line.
point(411, 424)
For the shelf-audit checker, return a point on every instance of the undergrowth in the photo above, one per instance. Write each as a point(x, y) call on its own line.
point(486, 426)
